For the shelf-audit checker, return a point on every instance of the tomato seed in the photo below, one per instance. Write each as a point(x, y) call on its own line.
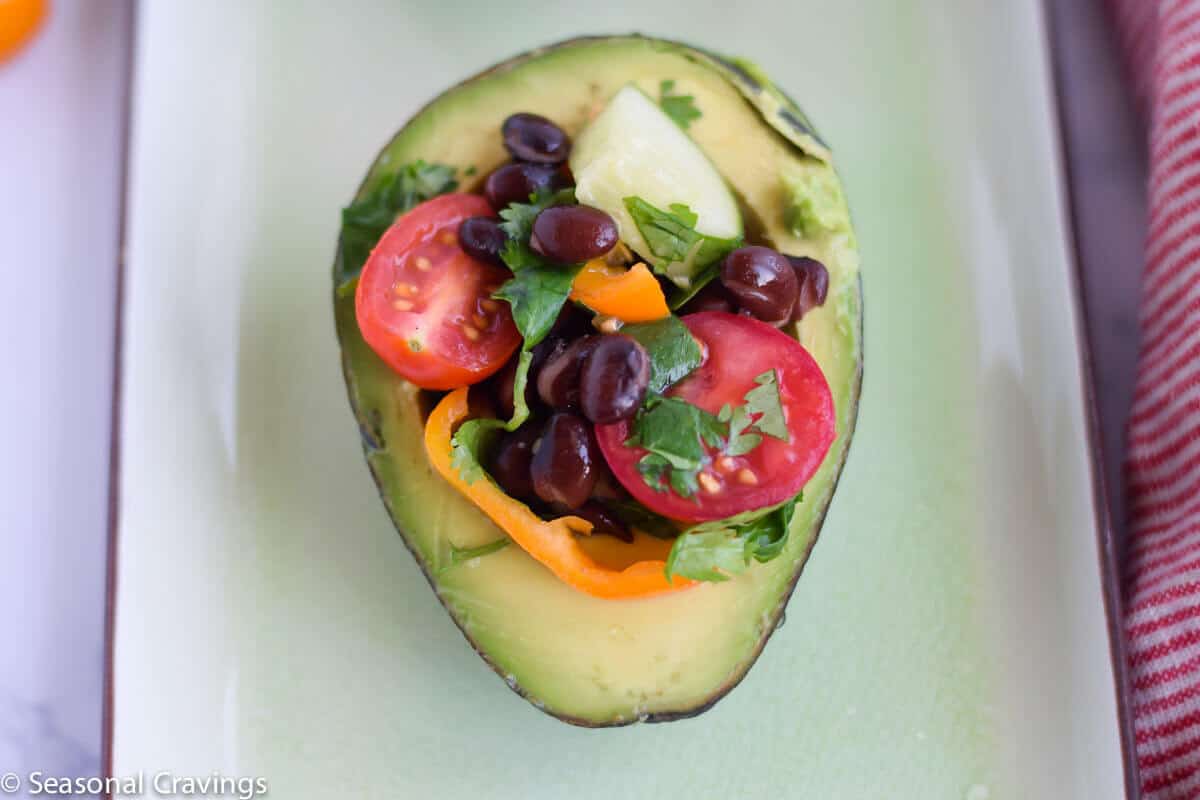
point(480, 321)
point(726, 464)
point(488, 304)
point(709, 482)
point(424, 264)
point(470, 333)
point(747, 477)
point(402, 305)
point(448, 238)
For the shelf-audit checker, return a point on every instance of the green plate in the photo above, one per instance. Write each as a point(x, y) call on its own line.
point(948, 639)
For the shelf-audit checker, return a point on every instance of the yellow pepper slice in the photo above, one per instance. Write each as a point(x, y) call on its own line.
point(553, 542)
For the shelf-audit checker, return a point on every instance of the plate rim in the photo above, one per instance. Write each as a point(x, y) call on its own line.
point(107, 700)
point(1106, 545)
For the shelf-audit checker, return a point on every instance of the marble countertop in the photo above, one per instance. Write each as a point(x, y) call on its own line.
point(61, 142)
point(61, 139)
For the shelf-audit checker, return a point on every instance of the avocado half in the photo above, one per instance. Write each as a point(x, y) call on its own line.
point(585, 660)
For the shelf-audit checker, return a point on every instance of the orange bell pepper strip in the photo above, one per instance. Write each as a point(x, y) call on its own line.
point(551, 542)
point(630, 295)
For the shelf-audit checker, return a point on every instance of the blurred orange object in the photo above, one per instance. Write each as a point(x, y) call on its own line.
point(19, 21)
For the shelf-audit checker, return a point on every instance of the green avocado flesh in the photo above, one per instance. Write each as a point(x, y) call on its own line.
point(585, 660)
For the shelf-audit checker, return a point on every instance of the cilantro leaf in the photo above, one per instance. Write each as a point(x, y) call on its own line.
point(674, 434)
point(536, 295)
point(677, 431)
point(470, 442)
point(714, 551)
point(707, 556)
point(520, 406)
point(459, 555)
point(681, 253)
point(679, 107)
point(765, 540)
point(741, 440)
point(365, 221)
point(655, 471)
point(764, 401)
point(762, 413)
point(673, 350)
point(684, 481)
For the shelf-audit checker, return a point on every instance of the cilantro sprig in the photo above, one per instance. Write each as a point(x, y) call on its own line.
point(679, 107)
point(681, 253)
point(461, 555)
point(538, 288)
point(715, 551)
point(765, 402)
point(678, 436)
point(762, 413)
point(674, 433)
point(366, 220)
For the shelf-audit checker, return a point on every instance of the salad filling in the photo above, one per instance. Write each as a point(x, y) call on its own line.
point(624, 393)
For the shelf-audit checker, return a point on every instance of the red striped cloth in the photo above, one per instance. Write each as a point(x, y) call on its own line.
point(1161, 40)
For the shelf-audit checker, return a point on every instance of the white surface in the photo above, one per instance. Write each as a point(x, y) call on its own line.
point(60, 141)
point(303, 646)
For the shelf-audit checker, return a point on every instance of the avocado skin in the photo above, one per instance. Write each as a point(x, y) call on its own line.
point(782, 114)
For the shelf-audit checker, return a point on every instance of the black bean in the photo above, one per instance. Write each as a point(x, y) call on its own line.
point(482, 238)
point(511, 459)
point(514, 183)
point(571, 234)
point(761, 281)
point(613, 380)
point(712, 297)
point(604, 521)
point(564, 461)
point(558, 379)
point(814, 284)
point(530, 137)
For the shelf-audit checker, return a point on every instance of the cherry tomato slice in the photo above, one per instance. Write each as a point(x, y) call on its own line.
point(738, 350)
point(425, 306)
